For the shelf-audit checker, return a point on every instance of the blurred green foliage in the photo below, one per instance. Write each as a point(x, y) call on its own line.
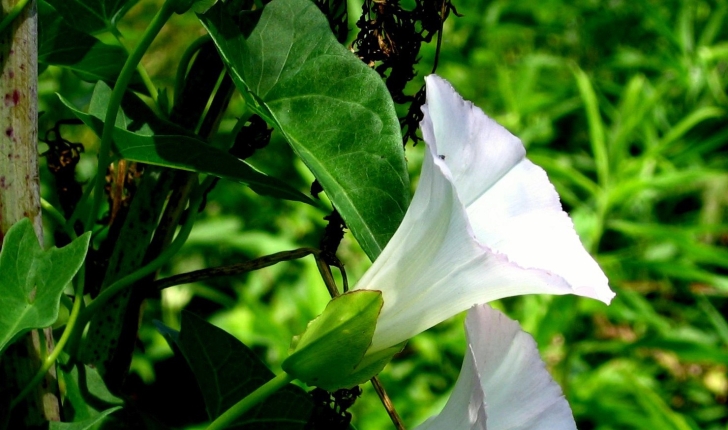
point(623, 103)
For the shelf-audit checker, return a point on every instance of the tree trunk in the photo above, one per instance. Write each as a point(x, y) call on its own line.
point(19, 198)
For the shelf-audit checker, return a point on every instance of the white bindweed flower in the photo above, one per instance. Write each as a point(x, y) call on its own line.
point(503, 384)
point(484, 224)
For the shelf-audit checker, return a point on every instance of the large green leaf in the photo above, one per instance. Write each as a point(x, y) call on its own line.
point(178, 151)
point(33, 280)
point(334, 111)
point(60, 44)
point(226, 371)
point(92, 16)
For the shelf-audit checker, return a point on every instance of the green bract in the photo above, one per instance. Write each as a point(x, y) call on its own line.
point(331, 353)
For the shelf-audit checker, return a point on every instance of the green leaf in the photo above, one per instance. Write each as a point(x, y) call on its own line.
point(227, 371)
point(85, 424)
point(84, 391)
point(335, 112)
point(92, 16)
point(179, 151)
point(33, 280)
point(60, 44)
point(596, 125)
point(331, 353)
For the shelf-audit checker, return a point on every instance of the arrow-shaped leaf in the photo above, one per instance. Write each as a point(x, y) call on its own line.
point(33, 280)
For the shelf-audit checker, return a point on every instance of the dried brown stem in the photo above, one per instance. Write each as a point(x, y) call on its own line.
point(234, 269)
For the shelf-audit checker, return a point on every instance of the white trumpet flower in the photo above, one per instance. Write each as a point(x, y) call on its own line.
point(485, 223)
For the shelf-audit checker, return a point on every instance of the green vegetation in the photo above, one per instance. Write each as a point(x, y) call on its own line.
point(623, 103)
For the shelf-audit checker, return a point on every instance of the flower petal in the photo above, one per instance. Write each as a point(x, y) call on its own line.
point(433, 268)
point(477, 150)
point(521, 217)
point(504, 366)
point(512, 207)
point(465, 409)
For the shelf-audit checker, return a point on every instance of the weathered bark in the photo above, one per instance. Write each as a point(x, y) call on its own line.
point(19, 187)
point(19, 198)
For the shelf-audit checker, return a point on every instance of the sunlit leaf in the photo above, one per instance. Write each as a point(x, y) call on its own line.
point(334, 111)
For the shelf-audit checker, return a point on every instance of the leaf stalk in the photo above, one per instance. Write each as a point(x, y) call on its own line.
point(252, 399)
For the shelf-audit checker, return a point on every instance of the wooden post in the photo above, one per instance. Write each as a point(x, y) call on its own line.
point(20, 198)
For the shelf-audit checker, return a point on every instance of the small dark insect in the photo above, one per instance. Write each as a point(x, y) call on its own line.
point(442, 157)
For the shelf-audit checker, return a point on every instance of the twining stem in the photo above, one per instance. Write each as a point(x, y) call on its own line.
point(252, 399)
point(140, 67)
point(233, 269)
point(122, 82)
point(57, 217)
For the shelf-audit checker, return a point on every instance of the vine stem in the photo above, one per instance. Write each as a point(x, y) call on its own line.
point(153, 93)
point(57, 217)
point(122, 82)
point(233, 269)
point(252, 399)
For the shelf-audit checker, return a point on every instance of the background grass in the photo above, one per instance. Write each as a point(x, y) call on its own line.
point(624, 104)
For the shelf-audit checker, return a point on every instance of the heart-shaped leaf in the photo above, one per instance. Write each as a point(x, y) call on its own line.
point(335, 112)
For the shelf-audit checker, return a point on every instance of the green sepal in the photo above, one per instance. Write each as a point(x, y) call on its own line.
point(331, 353)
